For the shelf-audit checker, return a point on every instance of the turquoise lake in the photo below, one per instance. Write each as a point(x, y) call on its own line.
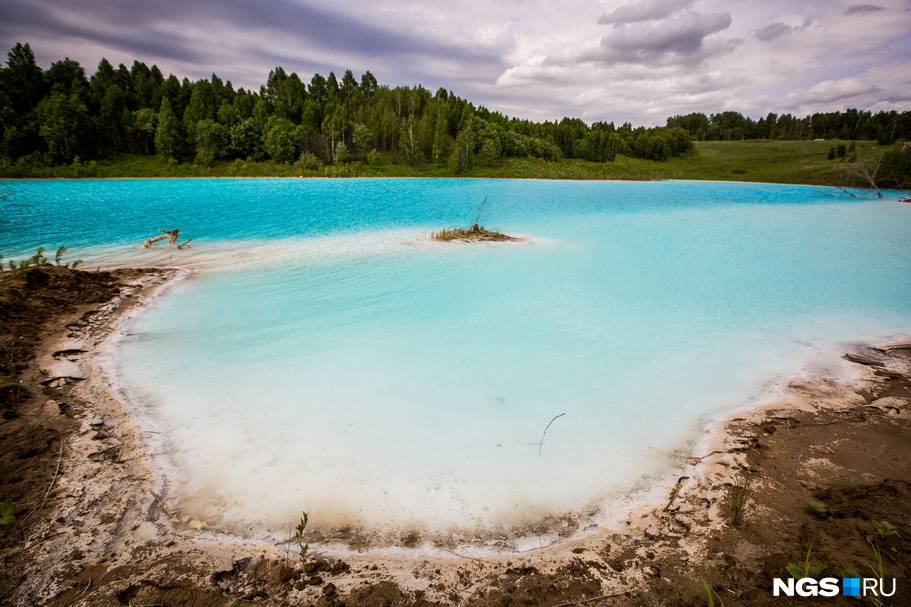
point(327, 356)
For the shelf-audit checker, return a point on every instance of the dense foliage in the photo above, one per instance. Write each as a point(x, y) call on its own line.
point(60, 116)
point(884, 127)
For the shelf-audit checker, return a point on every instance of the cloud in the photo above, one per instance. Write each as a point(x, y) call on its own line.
point(773, 31)
point(681, 38)
point(534, 59)
point(829, 91)
point(863, 8)
point(776, 30)
point(646, 10)
point(219, 35)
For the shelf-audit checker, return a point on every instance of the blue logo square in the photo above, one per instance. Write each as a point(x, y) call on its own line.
point(850, 586)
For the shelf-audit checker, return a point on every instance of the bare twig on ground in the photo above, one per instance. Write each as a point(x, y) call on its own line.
point(80, 595)
point(675, 492)
point(53, 480)
point(163, 507)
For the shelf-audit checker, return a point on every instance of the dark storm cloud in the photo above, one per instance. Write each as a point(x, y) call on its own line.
point(41, 19)
point(681, 39)
point(126, 26)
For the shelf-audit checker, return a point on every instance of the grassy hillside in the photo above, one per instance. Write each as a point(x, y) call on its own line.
point(798, 162)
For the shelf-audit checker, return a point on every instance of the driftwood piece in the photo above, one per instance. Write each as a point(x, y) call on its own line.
point(171, 235)
point(148, 243)
point(184, 244)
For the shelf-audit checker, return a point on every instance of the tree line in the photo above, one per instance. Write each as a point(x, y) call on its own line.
point(61, 115)
point(883, 127)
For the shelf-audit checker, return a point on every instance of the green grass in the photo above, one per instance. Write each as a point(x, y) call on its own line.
point(795, 162)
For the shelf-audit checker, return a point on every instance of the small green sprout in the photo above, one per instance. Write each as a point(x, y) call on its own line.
point(6, 514)
point(808, 570)
point(299, 536)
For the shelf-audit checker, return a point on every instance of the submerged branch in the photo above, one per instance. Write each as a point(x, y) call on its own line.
point(541, 443)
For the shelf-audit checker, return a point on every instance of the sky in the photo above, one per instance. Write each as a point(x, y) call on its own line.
point(610, 60)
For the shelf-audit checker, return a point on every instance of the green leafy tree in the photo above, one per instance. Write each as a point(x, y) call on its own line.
point(167, 134)
point(279, 140)
point(69, 77)
point(407, 140)
point(341, 153)
point(111, 116)
point(211, 139)
point(23, 80)
point(439, 135)
point(333, 128)
point(368, 84)
point(362, 138)
point(348, 86)
point(203, 106)
point(319, 90)
point(332, 85)
point(64, 120)
point(246, 139)
point(142, 127)
point(311, 117)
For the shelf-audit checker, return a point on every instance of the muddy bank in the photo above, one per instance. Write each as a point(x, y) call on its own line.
point(94, 526)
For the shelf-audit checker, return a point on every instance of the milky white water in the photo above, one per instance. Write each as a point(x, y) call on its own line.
point(327, 357)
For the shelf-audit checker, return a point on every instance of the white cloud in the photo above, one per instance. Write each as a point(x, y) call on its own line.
point(646, 10)
point(776, 30)
point(837, 90)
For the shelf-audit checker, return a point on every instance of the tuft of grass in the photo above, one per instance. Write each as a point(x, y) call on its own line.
point(468, 235)
point(882, 529)
point(474, 233)
point(740, 495)
point(38, 259)
point(711, 592)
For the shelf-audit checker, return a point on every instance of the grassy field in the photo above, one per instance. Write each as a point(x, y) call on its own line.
point(797, 162)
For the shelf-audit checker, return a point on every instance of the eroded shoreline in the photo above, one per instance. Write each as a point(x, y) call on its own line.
point(107, 510)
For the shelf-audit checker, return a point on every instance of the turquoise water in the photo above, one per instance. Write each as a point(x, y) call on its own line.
point(328, 357)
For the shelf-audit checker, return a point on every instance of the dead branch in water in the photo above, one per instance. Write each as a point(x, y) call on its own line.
point(171, 235)
point(148, 242)
point(474, 224)
point(541, 442)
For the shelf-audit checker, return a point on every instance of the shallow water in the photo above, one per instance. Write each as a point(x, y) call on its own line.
point(328, 357)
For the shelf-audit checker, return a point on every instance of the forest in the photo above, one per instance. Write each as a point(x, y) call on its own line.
point(62, 116)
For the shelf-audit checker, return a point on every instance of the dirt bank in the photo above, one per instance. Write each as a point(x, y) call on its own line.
point(93, 525)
